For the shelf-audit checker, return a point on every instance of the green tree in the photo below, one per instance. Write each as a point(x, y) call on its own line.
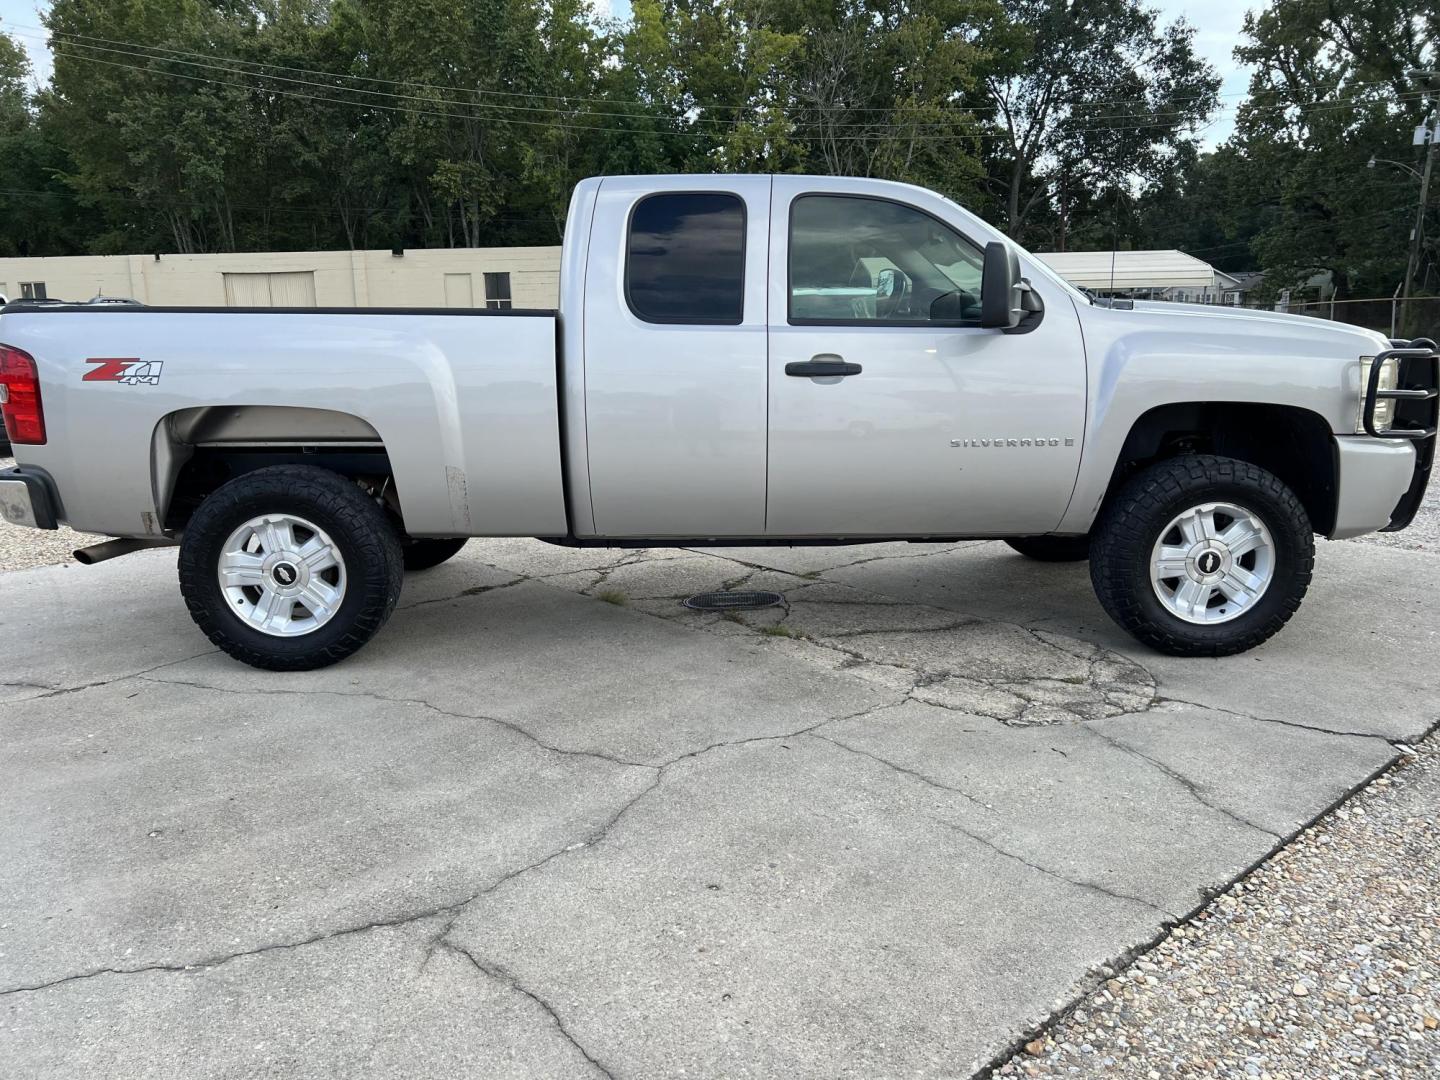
point(41, 215)
point(859, 87)
point(1329, 93)
point(1093, 99)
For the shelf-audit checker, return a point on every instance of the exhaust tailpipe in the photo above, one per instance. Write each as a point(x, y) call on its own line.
point(113, 549)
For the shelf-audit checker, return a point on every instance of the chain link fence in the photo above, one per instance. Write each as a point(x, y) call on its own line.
point(1416, 317)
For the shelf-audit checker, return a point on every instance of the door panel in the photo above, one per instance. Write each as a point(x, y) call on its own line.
point(674, 409)
point(946, 429)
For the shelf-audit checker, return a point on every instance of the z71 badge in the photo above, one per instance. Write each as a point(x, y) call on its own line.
point(128, 370)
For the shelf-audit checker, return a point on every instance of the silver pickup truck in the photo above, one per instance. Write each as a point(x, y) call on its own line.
point(736, 360)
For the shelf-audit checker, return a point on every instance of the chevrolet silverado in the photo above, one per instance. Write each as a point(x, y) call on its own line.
point(735, 360)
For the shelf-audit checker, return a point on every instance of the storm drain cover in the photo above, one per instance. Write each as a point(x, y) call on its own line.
point(733, 601)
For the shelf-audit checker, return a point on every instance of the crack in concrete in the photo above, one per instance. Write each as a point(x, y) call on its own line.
point(1089, 886)
point(1184, 781)
point(214, 961)
point(928, 780)
point(474, 590)
point(1033, 704)
point(1167, 700)
point(60, 691)
point(598, 834)
point(499, 974)
point(453, 908)
point(992, 845)
point(508, 725)
point(1127, 957)
point(1025, 690)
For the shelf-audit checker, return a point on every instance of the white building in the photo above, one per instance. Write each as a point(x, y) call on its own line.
point(1156, 275)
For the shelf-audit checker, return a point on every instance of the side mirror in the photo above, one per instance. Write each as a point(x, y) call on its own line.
point(892, 288)
point(1001, 302)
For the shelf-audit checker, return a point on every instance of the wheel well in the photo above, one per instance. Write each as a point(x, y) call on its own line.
point(1293, 443)
point(197, 450)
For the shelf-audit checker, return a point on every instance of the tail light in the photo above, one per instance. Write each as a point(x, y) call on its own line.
point(20, 397)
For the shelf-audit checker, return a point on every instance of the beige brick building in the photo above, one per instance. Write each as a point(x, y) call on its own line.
point(432, 277)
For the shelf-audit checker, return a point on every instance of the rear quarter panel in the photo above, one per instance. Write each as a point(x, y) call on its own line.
point(465, 403)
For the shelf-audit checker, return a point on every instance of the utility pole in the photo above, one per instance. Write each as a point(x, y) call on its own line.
point(1431, 127)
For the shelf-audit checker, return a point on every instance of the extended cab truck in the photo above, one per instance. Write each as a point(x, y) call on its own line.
point(736, 360)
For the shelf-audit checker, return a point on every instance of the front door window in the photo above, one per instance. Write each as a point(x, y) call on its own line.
point(872, 261)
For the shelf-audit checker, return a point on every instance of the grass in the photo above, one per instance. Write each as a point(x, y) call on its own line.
point(780, 630)
point(613, 596)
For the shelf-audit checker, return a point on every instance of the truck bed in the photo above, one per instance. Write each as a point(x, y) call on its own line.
point(464, 402)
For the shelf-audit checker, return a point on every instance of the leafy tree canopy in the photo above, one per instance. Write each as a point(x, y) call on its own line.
point(215, 125)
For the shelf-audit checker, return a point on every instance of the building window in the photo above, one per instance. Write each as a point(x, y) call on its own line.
point(286, 289)
point(32, 290)
point(497, 290)
point(861, 260)
point(685, 261)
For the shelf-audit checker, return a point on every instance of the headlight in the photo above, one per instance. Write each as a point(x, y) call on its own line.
point(1384, 407)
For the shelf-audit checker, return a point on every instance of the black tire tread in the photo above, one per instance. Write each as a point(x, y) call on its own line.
point(425, 553)
point(1052, 548)
point(374, 563)
point(1125, 532)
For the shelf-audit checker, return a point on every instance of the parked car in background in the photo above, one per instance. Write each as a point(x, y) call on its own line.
point(736, 360)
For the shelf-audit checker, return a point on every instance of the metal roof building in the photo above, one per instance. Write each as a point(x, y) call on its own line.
point(1125, 271)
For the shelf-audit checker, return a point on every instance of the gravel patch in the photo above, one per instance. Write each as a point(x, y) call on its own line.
point(21, 549)
point(1323, 963)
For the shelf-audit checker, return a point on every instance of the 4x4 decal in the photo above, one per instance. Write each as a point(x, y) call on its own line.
point(131, 371)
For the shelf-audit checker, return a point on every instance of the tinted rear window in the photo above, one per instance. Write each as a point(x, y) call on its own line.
point(686, 259)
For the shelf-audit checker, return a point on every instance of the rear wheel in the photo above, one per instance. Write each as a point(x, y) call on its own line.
point(290, 567)
point(1203, 556)
point(423, 554)
point(1052, 548)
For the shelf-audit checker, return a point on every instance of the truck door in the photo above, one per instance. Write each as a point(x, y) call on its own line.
point(675, 356)
point(892, 412)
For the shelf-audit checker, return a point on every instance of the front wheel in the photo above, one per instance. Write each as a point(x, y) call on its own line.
point(1202, 556)
point(290, 567)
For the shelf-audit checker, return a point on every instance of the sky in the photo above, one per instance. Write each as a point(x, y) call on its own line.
point(1218, 23)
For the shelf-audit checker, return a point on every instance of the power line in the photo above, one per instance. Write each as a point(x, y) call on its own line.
point(45, 34)
point(877, 132)
point(227, 64)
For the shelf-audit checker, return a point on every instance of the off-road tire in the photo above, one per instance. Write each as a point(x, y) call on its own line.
point(424, 553)
point(1130, 525)
point(1052, 548)
point(374, 564)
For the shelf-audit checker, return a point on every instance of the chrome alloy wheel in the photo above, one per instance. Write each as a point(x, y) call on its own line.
point(282, 575)
point(1212, 563)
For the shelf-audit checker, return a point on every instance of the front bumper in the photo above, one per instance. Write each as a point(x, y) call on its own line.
point(1417, 417)
point(1374, 475)
point(26, 500)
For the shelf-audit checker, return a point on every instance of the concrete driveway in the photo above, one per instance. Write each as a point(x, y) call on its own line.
point(552, 824)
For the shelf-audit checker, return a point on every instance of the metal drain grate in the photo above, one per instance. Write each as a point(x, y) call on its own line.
point(732, 601)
